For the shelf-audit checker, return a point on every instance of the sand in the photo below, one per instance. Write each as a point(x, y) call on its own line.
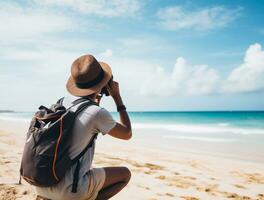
point(156, 173)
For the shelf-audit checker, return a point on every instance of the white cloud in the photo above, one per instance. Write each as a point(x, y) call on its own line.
point(204, 80)
point(147, 78)
point(26, 23)
point(105, 8)
point(35, 44)
point(249, 76)
point(176, 18)
point(184, 79)
point(36, 34)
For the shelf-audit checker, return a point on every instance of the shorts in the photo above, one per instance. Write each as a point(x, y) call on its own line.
point(88, 187)
point(96, 179)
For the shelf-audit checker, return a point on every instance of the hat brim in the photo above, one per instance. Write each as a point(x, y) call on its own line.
point(74, 90)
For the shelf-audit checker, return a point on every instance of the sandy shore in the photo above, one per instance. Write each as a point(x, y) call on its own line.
point(156, 173)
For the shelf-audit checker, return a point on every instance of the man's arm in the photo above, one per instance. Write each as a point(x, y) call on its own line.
point(123, 129)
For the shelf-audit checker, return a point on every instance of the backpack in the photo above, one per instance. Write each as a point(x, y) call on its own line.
point(46, 158)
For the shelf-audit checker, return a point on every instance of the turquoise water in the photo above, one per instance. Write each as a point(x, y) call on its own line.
point(243, 119)
point(239, 122)
point(247, 119)
point(232, 134)
point(254, 119)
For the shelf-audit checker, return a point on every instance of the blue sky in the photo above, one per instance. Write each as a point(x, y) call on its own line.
point(167, 55)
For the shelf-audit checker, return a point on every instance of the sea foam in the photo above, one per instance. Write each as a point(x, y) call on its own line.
point(190, 128)
point(206, 139)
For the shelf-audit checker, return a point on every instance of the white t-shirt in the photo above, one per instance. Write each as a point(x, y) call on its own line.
point(90, 121)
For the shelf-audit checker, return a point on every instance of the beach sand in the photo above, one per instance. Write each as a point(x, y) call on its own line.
point(156, 173)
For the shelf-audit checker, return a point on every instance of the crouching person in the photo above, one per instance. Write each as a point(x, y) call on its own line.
point(60, 144)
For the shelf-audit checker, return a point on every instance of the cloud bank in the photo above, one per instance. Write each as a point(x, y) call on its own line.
point(191, 79)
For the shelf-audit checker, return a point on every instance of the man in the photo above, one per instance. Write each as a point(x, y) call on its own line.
point(88, 78)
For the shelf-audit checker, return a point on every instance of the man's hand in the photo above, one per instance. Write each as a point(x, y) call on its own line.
point(113, 90)
point(121, 130)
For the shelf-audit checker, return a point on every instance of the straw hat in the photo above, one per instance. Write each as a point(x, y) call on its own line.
point(88, 76)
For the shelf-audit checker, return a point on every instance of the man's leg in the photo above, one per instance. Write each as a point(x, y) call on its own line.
point(116, 178)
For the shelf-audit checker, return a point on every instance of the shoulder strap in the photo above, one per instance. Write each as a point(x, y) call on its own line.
point(60, 101)
point(83, 106)
point(75, 102)
point(78, 101)
point(82, 99)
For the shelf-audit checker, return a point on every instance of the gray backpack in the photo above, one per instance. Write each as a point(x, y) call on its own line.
point(46, 158)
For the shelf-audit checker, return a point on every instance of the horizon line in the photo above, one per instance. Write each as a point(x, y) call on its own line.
point(136, 111)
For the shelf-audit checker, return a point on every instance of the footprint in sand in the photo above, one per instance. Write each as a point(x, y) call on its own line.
point(153, 166)
point(256, 178)
point(166, 194)
point(240, 186)
point(190, 177)
point(144, 187)
point(161, 177)
point(179, 181)
point(169, 194)
point(13, 192)
point(260, 196)
point(235, 196)
point(7, 192)
point(210, 189)
point(189, 198)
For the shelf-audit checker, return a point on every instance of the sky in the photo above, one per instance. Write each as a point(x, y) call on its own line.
point(166, 55)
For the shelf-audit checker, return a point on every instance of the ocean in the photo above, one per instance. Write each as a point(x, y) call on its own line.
point(238, 134)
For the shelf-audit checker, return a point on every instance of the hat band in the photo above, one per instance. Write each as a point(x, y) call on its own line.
point(93, 82)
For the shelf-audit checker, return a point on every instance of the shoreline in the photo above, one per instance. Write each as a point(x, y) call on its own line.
point(183, 146)
point(156, 173)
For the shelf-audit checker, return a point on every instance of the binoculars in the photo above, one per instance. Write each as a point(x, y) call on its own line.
point(104, 90)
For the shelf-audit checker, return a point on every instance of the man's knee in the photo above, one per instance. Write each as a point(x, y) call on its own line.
point(127, 174)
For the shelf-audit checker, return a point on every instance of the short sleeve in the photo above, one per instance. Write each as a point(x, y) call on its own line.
point(104, 121)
